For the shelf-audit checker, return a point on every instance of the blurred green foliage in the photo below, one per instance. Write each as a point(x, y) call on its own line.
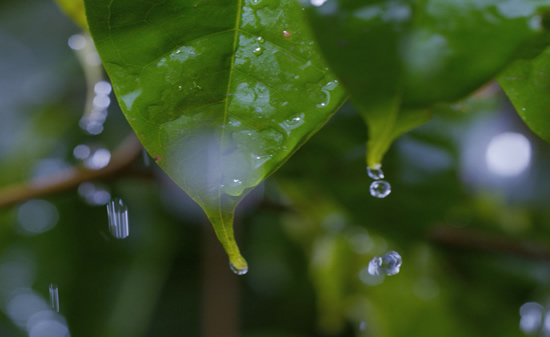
point(474, 244)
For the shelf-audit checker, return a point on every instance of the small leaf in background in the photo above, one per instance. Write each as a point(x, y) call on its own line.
point(221, 93)
point(398, 58)
point(75, 10)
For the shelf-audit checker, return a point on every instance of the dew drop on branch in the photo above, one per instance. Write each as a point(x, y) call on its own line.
point(388, 264)
point(117, 213)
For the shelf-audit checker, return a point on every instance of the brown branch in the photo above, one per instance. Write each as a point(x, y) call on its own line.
point(122, 158)
point(475, 240)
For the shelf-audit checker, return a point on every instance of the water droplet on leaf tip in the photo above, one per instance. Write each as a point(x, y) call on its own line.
point(286, 33)
point(375, 173)
point(389, 264)
point(380, 189)
point(238, 271)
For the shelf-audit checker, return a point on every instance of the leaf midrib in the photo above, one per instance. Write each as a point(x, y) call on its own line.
point(225, 113)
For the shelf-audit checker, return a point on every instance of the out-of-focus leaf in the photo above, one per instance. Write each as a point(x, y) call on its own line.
point(75, 10)
point(527, 84)
point(396, 56)
point(221, 93)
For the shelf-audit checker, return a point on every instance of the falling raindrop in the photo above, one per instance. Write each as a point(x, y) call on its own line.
point(388, 264)
point(118, 218)
point(238, 271)
point(54, 297)
point(375, 173)
point(380, 189)
point(258, 51)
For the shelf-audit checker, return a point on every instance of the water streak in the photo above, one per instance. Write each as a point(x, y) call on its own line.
point(118, 219)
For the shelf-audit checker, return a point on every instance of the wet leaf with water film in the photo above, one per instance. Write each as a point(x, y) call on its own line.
point(221, 93)
point(398, 58)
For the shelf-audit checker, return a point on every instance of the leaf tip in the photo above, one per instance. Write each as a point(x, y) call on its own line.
point(238, 264)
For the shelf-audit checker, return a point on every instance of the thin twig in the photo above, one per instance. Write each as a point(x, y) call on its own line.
point(70, 178)
point(478, 241)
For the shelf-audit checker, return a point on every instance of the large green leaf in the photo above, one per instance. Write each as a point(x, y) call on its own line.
point(527, 84)
point(220, 92)
point(399, 57)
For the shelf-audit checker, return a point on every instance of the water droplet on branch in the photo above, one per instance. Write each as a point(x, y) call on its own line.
point(380, 189)
point(118, 218)
point(54, 297)
point(388, 264)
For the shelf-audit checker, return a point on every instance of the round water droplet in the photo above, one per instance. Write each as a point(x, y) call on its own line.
point(375, 173)
point(389, 264)
point(286, 33)
point(180, 88)
point(258, 51)
point(260, 39)
point(238, 271)
point(380, 189)
point(322, 105)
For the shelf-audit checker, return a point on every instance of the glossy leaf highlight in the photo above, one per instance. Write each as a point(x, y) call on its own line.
point(221, 93)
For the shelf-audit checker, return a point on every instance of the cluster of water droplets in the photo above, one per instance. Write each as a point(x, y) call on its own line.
point(387, 265)
point(378, 188)
point(117, 211)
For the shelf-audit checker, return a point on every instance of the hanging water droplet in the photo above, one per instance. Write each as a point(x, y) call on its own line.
point(118, 218)
point(258, 51)
point(380, 189)
point(388, 264)
point(286, 33)
point(238, 271)
point(375, 173)
point(260, 39)
point(54, 297)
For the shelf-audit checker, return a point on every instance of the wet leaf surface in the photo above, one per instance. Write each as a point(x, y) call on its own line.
point(221, 93)
point(398, 58)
